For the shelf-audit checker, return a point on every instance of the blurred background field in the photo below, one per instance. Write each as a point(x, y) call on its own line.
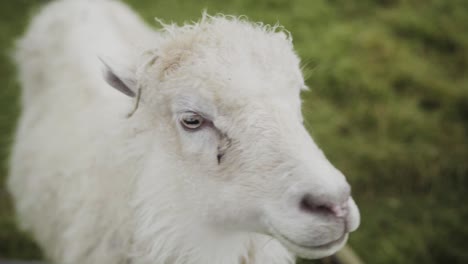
point(388, 103)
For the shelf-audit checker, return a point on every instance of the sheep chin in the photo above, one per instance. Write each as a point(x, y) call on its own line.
point(315, 252)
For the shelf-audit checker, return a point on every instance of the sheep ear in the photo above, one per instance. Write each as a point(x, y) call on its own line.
point(122, 80)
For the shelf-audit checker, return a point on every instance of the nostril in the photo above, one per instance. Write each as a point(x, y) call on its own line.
point(308, 205)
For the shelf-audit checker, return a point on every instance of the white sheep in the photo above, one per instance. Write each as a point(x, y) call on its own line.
point(198, 155)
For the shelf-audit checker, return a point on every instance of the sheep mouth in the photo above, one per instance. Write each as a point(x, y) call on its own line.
point(311, 252)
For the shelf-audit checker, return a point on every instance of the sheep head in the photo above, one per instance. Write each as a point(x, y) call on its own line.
point(222, 99)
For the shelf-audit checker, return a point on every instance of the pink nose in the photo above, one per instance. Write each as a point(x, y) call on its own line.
point(340, 210)
point(311, 206)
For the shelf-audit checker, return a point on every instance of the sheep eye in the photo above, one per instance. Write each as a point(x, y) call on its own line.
point(192, 121)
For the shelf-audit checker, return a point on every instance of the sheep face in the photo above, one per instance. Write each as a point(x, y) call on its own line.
point(251, 166)
point(226, 111)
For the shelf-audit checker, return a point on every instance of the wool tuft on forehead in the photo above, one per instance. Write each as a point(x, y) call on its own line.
point(233, 29)
point(227, 45)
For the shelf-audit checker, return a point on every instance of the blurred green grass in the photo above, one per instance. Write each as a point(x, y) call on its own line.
point(388, 104)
